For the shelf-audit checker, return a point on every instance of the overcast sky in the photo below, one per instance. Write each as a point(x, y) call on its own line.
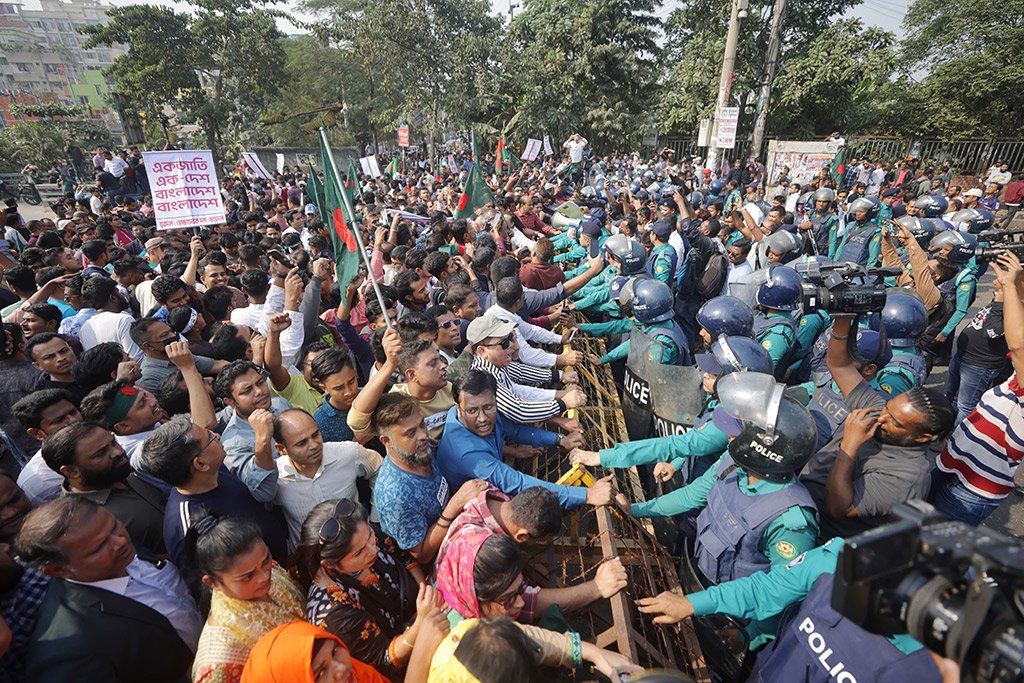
point(887, 14)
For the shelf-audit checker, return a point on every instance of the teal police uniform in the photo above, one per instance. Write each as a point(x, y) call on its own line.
point(776, 332)
point(665, 332)
point(663, 263)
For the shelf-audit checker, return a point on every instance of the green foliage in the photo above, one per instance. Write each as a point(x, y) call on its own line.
point(44, 110)
point(586, 67)
point(43, 142)
point(972, 52)
point(235, 45)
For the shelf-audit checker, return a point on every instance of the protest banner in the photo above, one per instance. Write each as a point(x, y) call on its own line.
point(548, 151)
point(369, 166)
point(403, 136)
point(532, 150)
point(452, 166)
point(254, 163)
point(280, 162)
point(186, 193)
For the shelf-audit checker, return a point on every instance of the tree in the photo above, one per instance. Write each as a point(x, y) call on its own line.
point(43, 142)
point(972, 51)
point(213, 63)
point(695, 40)
point(586, 67)
point(422, 58)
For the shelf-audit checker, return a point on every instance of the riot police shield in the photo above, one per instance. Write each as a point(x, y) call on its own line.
point(659, 399)
point(746, 287)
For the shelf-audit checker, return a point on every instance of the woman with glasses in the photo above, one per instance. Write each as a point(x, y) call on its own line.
point(358, 590)
point(481, 579)
point(250, 594)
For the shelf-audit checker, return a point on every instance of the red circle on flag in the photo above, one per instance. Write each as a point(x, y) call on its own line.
point(463, 202)
point(341, 229)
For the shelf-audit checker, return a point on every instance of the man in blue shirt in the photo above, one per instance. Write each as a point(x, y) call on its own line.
point(475, 434)
point(249, 430)
point(411, 495)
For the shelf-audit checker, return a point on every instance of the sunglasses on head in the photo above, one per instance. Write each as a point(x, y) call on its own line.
point(331, 528)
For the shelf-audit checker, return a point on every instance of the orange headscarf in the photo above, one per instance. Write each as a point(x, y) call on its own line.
point(285, 655)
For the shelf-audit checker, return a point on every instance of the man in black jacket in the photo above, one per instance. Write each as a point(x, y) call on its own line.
point(108, 615)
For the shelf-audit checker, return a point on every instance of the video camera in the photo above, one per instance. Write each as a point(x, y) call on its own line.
point(844, 288)
point(911, 577)
point(1000, 241)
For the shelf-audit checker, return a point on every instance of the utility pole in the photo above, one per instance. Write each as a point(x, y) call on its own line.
point(511, 11)
point(771, 68)
point(739, 11)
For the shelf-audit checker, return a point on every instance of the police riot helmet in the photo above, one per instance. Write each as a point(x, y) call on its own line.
point(923, 229)
point(652, 301)
point(726, 315)
point(931, 206)
point(784, 243)
point(904, 317)
point(805, 200)
point(781, 291)
point(626, 293)
point(716, 187)
point(648, 176)
point(697, 199)
point(634, 187)
point(615, 287)
point(617, 246)
point(869, 204)
point(979, 220)
point(735, 354)
point(776, 435)
point(824, 194)
point(961, 245)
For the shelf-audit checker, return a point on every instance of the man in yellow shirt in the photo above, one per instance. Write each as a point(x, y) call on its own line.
point(425, 380)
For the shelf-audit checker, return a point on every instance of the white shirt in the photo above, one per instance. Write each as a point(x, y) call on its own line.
point(106, 326)
point(675, 239)
point(343, 462)
point(875, 181)
point(95, 204)
point(575, 149)
point(791, 200)
point(132, 445)
point(115, 166)
point(525, 332)
point(38, 481)
point(737, 273)
point(161, 589)
point(144, 295)
point(255, 316)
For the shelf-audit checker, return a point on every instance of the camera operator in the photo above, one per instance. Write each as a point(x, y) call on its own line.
point(814, 642)
point(919, 276)
point(880, 457)
point(975, 471)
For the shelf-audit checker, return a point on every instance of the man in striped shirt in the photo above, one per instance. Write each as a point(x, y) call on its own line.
point(493, 344)
point(975, 470)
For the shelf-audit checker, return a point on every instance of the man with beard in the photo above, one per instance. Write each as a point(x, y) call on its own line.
point(94, 466)
point(412, 497)
point(881, 456)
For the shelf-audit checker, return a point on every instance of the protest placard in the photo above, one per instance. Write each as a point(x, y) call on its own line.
point(547, 146)
point(532, 150)
point(186, 192)
point(254, 163)
point(403, 136)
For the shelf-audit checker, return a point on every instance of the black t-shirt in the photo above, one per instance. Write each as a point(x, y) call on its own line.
point(982, 343)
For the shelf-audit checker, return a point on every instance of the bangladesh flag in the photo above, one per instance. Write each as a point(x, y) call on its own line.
point(499, 156)
point(341, 223)
point(315, 188)
point(352, 180)
point(392, 169)
point(838, 170)
point(475, 193)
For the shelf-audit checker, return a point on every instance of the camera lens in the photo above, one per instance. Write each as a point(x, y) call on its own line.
point(1001, 659)
point(934, 611)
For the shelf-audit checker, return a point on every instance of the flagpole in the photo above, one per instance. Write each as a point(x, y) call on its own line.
point(356, 230)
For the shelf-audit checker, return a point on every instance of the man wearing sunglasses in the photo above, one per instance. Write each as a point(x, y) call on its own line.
point(493, 344)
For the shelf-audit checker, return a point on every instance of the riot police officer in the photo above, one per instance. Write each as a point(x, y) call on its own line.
point(974, 220)
point(724, 315)
point(905, 319)
point(958, 284)
point(862, 243)
point(663, 259)
point(754, 510)
point(694, 451)
point(822, 223)
point(930, 206)
point(651, 307)
point(774, 327)
point(797, 652)
point(625, 256)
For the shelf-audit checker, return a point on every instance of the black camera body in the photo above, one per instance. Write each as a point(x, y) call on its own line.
point(911, 576)
point(844, 288)
point(999, 241)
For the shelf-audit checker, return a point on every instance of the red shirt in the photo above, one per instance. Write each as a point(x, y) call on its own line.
point(537, 275)
point(1014, 192)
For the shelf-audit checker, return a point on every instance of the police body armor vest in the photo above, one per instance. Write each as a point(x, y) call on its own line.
point(819, 230)
point(910, 365)
point(784, 326)
point(692, 468)
point(828, 408)
point(816, 644)
point(673, 258)
point(730, 527)
point(674, 333)
point(857, 243)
